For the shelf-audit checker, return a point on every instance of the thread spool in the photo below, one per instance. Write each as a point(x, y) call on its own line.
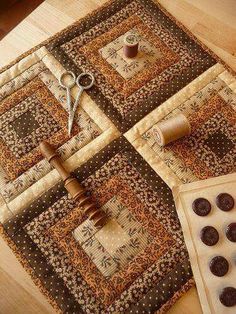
point(130, 48)
point(73, 186)
point(172, 129)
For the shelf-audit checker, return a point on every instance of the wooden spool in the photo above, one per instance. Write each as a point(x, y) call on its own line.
point(130, 48)
point(171, 129)
point(73, 187)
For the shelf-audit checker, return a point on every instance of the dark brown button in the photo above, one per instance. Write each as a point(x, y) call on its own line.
point(201, 206)
point(225, 202)
point(228, 296)
point(209, 235)
point(231, 232)
point(219, 266)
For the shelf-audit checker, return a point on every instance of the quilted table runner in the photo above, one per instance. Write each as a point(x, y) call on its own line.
point(138, 262)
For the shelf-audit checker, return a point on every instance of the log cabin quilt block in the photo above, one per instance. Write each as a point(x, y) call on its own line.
point(146, 250)
point(209, 151)
point(33, 109)
point(126, 91)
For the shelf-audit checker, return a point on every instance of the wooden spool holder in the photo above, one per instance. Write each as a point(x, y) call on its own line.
point(73, 187)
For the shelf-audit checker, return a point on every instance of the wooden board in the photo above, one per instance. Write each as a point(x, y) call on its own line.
point(213, 22)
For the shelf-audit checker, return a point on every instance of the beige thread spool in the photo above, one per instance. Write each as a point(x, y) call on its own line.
point(172, 129)
point(130, 47)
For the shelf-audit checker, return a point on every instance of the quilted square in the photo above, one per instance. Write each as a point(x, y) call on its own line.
point(19, 154)
point(119, 280)
point(104, 276)
point(219, 143)
point(133, 240)
point(39, 123)
point(127, 91)
point(32, 109)
point(148, 68)
point(210, 148)
point(111, 254)
point(28, 121)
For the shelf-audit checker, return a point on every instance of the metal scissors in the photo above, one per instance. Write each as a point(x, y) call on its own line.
point(68, 86)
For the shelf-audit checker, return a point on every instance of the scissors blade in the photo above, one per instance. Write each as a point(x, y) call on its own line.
point(73, 110)
point(70, 121)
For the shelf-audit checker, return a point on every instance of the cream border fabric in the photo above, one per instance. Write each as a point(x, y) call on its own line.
point(22, 66)
point(134, 135)
point(208, 285)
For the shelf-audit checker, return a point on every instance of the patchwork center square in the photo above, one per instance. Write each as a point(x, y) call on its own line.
point(219, 143)
point(118, 242)
point(214, 141)
point(25, 124)
point(112, 236)
point(25, 132)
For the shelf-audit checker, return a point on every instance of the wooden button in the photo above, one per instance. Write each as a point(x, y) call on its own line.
point(209, 235)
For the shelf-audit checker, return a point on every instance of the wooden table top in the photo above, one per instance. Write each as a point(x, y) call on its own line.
point(212, 21)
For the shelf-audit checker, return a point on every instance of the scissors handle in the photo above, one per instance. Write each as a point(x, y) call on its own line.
point(67, 85)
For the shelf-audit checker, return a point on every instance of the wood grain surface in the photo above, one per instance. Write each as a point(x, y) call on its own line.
point(212, 21)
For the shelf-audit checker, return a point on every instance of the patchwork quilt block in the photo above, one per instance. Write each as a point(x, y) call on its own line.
point(125, 90)
point(35, 116)
point(145, 72)
point(33, 109)
point(210, 149)
point(144, 226)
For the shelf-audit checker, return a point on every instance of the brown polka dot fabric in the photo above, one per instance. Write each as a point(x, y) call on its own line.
point(25, 124)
